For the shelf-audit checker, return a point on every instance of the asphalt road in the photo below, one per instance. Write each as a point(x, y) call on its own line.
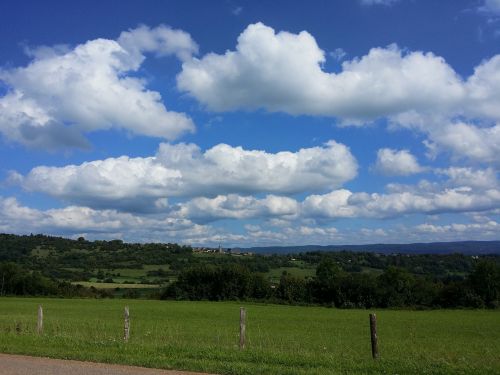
point(24, 365)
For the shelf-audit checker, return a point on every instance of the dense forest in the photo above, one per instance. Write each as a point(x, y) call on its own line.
point(46, 265)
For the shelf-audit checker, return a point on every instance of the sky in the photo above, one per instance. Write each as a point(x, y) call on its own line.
point(251, 123)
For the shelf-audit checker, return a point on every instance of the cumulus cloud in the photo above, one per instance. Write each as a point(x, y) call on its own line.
point(397, 163)
point(332, 205)
point(475, 178)
point(237, 207)
point(346, 204)
point(283, 72)
point(483, 90)
point(78, 220)
point(469, 141)
point(183, 170)
point(65, 92)
point(463, 140)
point(233, 169)
point(472, 132)
point(70, 220)
point(219, 183)
point(132, 183)
point(465, 191)
point(161, 40)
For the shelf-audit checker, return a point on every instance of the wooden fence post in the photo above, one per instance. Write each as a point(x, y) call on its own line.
point(374, 338)
point(242, 327)
point(126, 327)
point(39, 325)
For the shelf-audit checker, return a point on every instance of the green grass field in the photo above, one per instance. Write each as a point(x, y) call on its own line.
point(203, 336)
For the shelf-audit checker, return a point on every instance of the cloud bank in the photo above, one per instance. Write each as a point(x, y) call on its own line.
point(183, 170)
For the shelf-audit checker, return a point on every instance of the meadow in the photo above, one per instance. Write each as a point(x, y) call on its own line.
point(203, 336)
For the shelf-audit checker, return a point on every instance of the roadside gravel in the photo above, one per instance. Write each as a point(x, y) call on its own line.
point(25, 365)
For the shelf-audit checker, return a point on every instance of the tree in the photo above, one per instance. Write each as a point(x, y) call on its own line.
point(291, 289)
point(485, 281)
point(326, 284)
point(395, 288)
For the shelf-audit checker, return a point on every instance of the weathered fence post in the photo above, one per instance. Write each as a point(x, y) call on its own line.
point(373, 332)
point(39, 325)
point(126, 327)
point(242, 327)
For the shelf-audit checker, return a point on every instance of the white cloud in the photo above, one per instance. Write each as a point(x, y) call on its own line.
point(283, 72)
point(16, 218)
point(479, 143)
point(162, 40)
point(378, 2)
point(468, 141)
point(475, 178)
point(233, 169)
point(317, 231)
point(338, 54)
point(491, 6)
point(465, 191)
point(78, 220)
point(471, 128)
point(256, 235)
point(69, 218)
point(182, 170)
point(333, 205)
point(237, 207)
point(237, 11)
point(488, 228)
point(373, 232)
point(132, 183)
point(346, 204)
point(220, 181)
point(64, 92)
point(397, 163)
point(483, 89)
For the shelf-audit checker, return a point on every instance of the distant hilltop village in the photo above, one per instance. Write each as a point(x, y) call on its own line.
point(221, 250)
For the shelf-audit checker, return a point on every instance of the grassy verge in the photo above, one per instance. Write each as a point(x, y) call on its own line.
point(203, 336)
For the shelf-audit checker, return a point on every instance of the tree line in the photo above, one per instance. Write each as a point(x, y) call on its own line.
point(17, 281)
point(332, 286)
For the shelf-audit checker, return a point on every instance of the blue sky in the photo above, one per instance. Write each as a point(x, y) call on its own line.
point(251, 122)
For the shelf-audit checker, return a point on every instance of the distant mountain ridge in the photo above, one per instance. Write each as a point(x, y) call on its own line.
point(464, 247)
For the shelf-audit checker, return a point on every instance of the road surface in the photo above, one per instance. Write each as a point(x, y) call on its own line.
point(24, 365)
